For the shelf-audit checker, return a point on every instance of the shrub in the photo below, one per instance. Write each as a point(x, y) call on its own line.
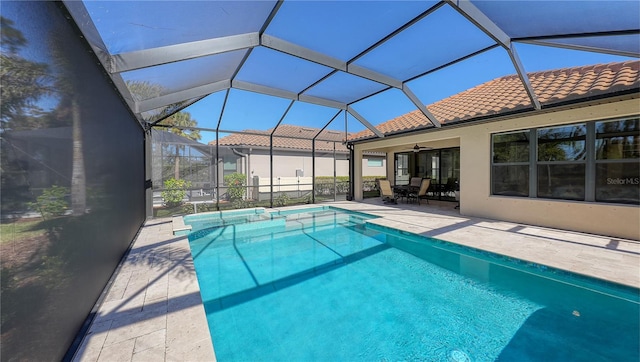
point(175, 191)
point(235, 184)
point(241, 204)
point(52, 201)
point(281, 200)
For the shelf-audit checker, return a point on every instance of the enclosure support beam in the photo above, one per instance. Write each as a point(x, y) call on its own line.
point(322, 102)
point(328, 61)
point(479, 19)
point(364, 122)
point(271, 151)
point(313, 156)
point(584, 48)
point(524, 78)
point(257, 88)
point(173, 53)
point(181, 96)
point(407, 91)
point(313, 170)
point(286, 47)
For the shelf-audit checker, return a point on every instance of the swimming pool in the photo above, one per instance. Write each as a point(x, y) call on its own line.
point(324, 284)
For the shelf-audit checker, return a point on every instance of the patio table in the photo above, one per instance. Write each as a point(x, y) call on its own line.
point(404, 190)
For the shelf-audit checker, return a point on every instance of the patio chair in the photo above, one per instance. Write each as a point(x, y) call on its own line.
point(386, 192)
point(404, 190)
point(422, 192)
point(450, 187)
point(415, 182)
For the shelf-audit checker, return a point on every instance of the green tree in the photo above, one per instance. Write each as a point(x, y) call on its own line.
point(181, 123)
point(52, 201)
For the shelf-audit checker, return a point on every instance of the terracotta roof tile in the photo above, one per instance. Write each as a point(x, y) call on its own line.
point(507, 94)
point(252, 138)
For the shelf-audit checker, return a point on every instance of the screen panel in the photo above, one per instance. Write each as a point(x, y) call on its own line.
point(72, 183)
point(344, 87)
point(342, 29)
point(544, 18)
point(128, 26)
point(438, 39)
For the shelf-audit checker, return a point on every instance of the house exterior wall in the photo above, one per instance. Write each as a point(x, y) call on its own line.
point(370, 167)
point(286, 165)
point(617, 220)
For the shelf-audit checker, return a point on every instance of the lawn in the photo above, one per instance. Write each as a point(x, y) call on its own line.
point(22, 229)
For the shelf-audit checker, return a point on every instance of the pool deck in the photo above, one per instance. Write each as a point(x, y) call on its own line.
point(153, 311)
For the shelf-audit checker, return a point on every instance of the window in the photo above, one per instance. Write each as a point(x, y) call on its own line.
point(510, 168)
point(617, 160)
point(402, 169)
point(373, 162)
point(594, 161)
point(561, 162)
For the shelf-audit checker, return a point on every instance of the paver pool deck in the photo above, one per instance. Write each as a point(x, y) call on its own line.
point(152, 310)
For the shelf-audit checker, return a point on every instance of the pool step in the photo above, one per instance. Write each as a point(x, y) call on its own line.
point(230, 230)
point(256, 230)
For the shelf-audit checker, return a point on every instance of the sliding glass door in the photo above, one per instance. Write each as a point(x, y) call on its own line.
point(403, 166)
point(442, 166)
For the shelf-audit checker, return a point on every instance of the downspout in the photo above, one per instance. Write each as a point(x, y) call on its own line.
point(335, 175)
point(271, 169)
point(217, 171)
point(313, 170)
point(246, 164)
point(352, 172)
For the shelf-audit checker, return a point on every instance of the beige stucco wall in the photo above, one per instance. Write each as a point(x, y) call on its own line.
point(475, 174)
point(374, 170)
point(285, 166)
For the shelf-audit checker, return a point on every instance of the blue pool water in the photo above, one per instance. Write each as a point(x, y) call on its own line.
point(325, 285)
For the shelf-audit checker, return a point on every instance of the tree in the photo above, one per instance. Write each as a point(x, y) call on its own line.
point(70, 90)
point(23, 81)
point(181, 122)
point(144, 90)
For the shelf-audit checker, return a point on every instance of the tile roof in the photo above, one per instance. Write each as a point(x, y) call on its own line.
point(252, 138)
point(507, 94)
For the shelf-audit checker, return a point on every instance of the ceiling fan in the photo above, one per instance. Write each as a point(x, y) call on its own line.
point(417, 148)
